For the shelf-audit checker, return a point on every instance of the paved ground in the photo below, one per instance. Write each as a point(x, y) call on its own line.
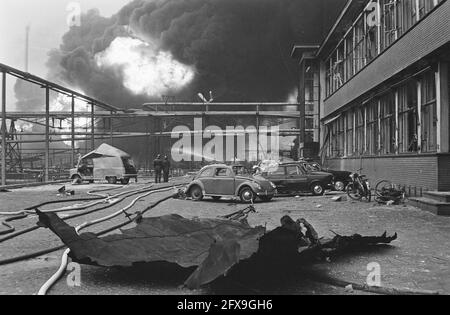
point(420, 259)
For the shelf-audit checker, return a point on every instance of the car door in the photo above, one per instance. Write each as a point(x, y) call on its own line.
point(223, 183)
point(297, 179)
point(278, 177)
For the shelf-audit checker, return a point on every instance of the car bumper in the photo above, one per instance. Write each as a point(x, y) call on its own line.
point(266, 193)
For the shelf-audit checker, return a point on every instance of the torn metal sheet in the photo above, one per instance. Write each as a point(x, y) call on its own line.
point(171, 238)
point(215, 246)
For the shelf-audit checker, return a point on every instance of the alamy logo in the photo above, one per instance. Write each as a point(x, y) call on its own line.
point(374, 276)
point(373, 15)
point(74, 16)
point(74, 276)
point(234, 143)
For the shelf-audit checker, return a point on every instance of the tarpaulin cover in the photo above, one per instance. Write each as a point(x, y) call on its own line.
point(106, 150)
point(214, 244)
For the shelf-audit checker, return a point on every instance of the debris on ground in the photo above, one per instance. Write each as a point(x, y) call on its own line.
point(337, 199)
point(64, 192)
point(390, 196)
point(213, 246)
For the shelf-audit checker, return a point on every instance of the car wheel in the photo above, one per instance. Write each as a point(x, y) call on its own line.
point(216, 198)
point(112, 180)
point(247, 195)
point(317, 189)
point(196, 193)
point(125, 181)
point(339, 186)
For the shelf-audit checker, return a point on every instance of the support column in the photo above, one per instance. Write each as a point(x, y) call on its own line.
point(258, 126)
point(47, 134)
point(442, 103)
point(111, 129)
point(3, 171)
point(93, 126)
point(72, 160)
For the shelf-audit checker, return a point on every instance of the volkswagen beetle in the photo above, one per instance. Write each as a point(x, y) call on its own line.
point(222, 181)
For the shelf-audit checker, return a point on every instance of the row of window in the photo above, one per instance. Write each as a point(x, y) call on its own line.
point(404, 120)
point(381, 23)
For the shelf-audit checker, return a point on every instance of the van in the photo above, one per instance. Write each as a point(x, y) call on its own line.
point(106, 163)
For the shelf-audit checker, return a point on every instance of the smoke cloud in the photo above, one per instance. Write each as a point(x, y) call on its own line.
point(240, 49)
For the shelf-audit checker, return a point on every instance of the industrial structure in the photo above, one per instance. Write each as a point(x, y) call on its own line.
point(384, 91)
point(150, 127)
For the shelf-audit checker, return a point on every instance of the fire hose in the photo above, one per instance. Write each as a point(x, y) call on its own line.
point(55, 249)
point(64, 260)
point(105, 199)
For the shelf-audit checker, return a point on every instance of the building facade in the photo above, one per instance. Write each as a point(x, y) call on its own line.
point(384, 91)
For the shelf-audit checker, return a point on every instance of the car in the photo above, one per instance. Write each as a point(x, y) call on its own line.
point(293, 178)
point(341, 179)
point(222, 181)
point(105, 163)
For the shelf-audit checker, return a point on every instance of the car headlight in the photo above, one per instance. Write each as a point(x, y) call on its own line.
point(273, 185)
point(258, 186)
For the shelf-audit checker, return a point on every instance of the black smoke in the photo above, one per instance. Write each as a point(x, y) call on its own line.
point(239, 48)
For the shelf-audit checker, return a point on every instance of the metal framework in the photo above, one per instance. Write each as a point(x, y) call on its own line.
point(11, 158)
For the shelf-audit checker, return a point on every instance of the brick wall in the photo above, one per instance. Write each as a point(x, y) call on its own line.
point(419, 172)
point(444, 172)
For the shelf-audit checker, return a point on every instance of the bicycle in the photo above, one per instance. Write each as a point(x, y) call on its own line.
point(359, 187)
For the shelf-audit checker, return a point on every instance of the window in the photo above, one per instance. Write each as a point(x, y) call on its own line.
point(360, 60)
point(292, 170)
point(209, 172)
point(408, 118)
point(349, 61)
point(223, 172)
point(372, 128)
point(360, 132)
point(389, 21)
point(371, 36)
point(429, 113)
point(349, 132)
point(387, 123)
point(279, 171)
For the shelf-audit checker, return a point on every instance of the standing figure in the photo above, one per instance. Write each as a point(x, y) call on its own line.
point(158, 166)
point(166, 168)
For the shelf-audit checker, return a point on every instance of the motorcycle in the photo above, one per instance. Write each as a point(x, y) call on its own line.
point(359, 187)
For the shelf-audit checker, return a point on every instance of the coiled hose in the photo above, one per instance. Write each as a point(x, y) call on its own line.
point(64, 260)
point(100, 200)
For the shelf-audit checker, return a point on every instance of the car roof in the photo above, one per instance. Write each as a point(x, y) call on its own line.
point(216, 165)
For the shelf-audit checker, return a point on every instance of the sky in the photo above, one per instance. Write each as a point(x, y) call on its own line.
point(48, 22)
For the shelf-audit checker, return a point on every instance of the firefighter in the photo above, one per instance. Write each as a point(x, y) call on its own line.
point(158, 166)
point(166, 168)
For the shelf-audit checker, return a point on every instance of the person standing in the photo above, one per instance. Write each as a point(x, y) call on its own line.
point(158, 166)
point(166, 168)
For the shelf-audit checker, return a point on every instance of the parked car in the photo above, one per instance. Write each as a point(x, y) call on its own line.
point(105, 163)
point(293, 177)
point(222, 181)
point(341, 179)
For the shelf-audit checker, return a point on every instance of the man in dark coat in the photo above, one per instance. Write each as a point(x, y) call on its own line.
point(158, 167)
point(166, 168)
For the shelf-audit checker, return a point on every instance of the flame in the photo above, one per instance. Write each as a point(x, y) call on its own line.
point(64, 103)
point(146, 69)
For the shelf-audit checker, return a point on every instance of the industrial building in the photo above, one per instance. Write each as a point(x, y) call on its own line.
point(383, 95)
